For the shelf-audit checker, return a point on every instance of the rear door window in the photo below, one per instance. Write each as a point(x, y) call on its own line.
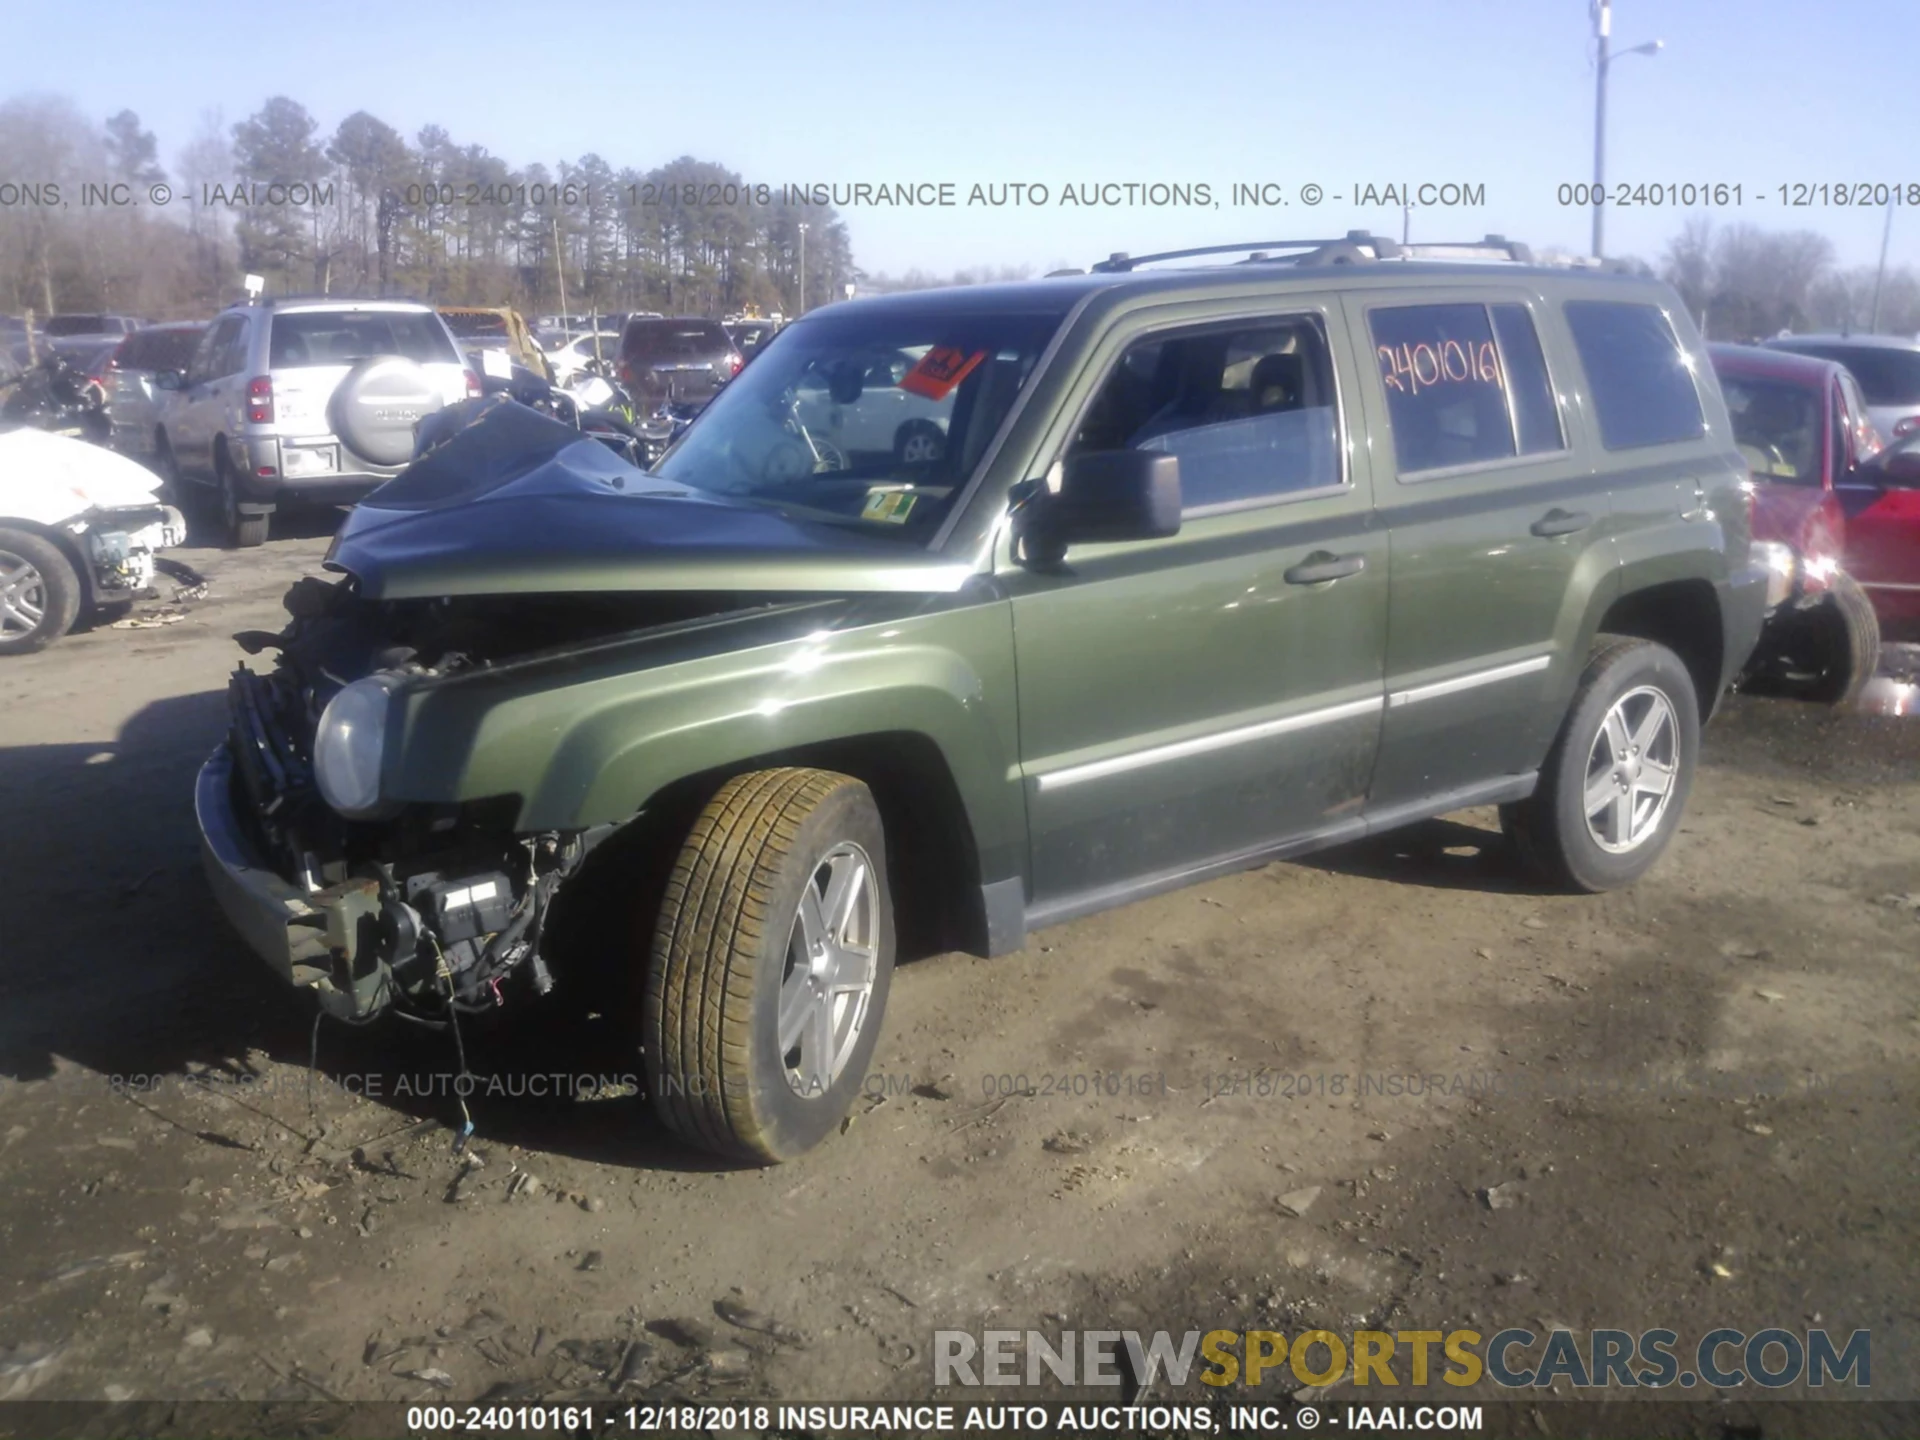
point(323, 337)
point(1446, 391)
point(1641, 380)
point(1250, 409)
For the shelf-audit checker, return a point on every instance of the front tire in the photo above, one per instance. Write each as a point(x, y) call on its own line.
point(1836, 645)
point(39, 593)
point(771, 960)
point(1616, 781)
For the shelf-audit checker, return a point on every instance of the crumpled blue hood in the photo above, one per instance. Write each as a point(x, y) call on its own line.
point(511, 501)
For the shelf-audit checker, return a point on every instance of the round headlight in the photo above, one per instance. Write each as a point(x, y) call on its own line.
point(348, 745)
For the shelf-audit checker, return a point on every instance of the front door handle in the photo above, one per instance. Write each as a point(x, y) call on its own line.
point(1561, 522)
point(1322, 566)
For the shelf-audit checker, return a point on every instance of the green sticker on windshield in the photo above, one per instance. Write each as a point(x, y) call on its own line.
point(891, 506)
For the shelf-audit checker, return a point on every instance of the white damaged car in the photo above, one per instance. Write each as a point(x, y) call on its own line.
point(81, 529)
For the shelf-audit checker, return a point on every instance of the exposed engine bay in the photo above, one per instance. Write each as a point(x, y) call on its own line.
point(429, 908)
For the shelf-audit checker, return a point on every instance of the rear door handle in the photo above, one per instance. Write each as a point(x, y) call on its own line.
point(1561, 522)
point(1321, 566)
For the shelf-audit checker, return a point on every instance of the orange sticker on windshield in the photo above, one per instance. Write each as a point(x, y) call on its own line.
point(939, 370)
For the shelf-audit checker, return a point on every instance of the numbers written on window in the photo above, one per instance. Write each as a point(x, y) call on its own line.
point(1466, 385)
point(1249, 409)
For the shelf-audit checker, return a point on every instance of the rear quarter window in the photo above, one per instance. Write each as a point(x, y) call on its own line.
point(1640, 378)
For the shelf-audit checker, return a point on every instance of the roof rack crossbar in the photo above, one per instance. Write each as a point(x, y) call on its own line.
point(1121, 261)
point(1513, 249)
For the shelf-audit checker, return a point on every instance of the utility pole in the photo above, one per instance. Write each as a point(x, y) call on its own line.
point(1602, 36)
point(1603, 61)
point(560, 267)
point(803, 267)
point(1880, 274)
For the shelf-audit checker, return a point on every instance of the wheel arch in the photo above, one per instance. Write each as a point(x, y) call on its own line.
point(1683, 615)
point(932, 860)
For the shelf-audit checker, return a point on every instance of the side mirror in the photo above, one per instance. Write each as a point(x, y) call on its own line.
point(1899, 467)
point(1105, 497)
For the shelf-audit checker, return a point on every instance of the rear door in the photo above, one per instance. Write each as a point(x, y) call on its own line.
point(1201, 699)
point(1493, 513)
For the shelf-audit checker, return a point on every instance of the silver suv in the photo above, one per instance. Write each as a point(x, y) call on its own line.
point(305, 400)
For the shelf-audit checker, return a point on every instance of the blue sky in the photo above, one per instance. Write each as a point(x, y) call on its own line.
point(1493, 92)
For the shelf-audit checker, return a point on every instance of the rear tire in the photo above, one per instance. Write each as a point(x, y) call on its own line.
point(771, 960)
point(39, 593)
point(919, 442)
point(168, 469)
point(244, 532)
point(1616, 780)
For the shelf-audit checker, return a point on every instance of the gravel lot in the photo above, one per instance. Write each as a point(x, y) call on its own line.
point(1695, 1103)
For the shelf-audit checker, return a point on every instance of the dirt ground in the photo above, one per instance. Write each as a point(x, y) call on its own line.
point(1686, 1105)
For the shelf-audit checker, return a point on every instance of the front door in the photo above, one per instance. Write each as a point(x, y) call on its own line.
point(1883, 521)
point(1200, 699)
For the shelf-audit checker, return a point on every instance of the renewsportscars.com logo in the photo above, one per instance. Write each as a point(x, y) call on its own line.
point(1724, 1358)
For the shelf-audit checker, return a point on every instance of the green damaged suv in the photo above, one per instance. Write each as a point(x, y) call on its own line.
point(963, 613)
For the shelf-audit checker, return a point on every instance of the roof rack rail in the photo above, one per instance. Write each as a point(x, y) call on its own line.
point(1355, 246)
point(1355, 241)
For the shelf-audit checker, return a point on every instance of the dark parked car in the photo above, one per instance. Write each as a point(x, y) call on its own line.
point(1214, 565)
point(1887, 367)
point(134, 400)
point(676, 362)
point(88, 324)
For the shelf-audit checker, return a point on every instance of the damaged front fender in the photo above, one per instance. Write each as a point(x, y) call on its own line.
point(585, 739)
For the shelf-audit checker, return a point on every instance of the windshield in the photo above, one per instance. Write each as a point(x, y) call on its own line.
point(342, 337)
point(871, 421)
point(1776, 424)
point(1887, 376)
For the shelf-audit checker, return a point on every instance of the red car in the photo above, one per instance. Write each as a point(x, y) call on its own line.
point(1846, 507)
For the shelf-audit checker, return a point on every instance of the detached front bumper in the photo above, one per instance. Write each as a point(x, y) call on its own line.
point(272, 916)
point(312, 941)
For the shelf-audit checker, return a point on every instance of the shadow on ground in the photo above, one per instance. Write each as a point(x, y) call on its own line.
point(120, 963)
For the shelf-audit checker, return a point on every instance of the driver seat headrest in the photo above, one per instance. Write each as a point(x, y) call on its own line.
point(1277, 382)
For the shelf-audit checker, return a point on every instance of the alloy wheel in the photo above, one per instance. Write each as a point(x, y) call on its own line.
point(832, 956)
point(23, 596)
point(1631, 769)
